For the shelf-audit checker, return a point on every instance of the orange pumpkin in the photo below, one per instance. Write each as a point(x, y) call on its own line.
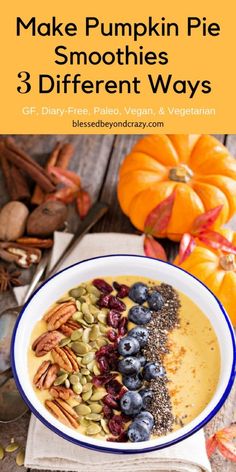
point(198, 168)
point(217, 270)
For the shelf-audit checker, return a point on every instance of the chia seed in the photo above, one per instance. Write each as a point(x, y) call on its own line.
point(162, 323)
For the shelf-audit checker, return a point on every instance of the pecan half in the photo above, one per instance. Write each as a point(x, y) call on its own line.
point(62, 392)
point(45, 375)
point(63, 412)
point(65, 358)
point(35, 242)
point(20, 254)
point(59, 315)
point(68, 327)
point(46, 342)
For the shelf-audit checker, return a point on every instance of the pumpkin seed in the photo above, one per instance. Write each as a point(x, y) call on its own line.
point(102, 328)
point(85, 336)
point(88, 386)
point(77, 316)
point(96, 370)
point(98, 395)
point(20, 457)
point(101, 341)
point(60, 380)
point(94, 333)
point(92, 429)
point(93, 299)
point(67, 383)
point(92, 289)
point(64, 342)
point(85, 308)
point(1, 452)
point(77, 292)
point(82, 300)
point(83, 380)
point(80, 347)
point(12, 447)
point(104, 426)
point(95, 407)
point(89, 378)
point(78, 305)
point(85, 371)
point(65, 299)
point(88, 358)
point(79, 359)
point(90, 365)
point(74, 379)
point(93, 417)
point(94, 310)
point(89, 318)
point(84, 323)
point(76, 334)
point(77, 388)
point(102, 317)
point(61, 371)
point(82, 409)
point(87, 395)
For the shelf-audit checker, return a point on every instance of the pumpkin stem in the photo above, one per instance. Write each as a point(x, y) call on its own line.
point(181, 173)
point(228, 262)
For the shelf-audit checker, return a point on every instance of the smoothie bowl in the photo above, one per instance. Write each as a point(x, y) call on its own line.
point(123, 354)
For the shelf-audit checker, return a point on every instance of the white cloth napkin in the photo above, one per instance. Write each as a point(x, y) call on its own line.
point(46, 450)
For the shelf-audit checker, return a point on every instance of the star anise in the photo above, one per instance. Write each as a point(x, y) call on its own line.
point(8, 278)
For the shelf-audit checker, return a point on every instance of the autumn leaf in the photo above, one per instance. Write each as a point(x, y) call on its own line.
point(223, 441)
point(217, 241)
point(158, 219)
point(153, 248)
point(65, 195)
point(66, 177)
point(83, 203)
point(206, 220)
point(187, 245)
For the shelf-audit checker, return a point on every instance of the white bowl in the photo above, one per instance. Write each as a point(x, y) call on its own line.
point(115, 265)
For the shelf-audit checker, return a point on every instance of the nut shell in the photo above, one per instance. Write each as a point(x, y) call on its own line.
point(47, 218)
point(13, 218)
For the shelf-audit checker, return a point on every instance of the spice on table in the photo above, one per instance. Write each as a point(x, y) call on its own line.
point(8, 278)
point(59, 157)
point(15, 181)
point(21, 160)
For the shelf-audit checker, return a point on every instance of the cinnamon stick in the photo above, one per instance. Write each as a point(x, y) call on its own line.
point(59, 157)
point(15, 182)
point(22, 161)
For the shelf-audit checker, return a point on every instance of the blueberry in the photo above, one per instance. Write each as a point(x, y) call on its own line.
point(139, 314)
point(141, 359)
point(138, 293)
point(141, 334)
point(131, 403)
point(128, 346)
point(146, 396)
point(145, 417)
point(132, 382)
point(155, 300)
point(129, 365)
point(138, 432)
point(152, 370)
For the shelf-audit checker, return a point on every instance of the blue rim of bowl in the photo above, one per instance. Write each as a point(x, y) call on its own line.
point(126, 451)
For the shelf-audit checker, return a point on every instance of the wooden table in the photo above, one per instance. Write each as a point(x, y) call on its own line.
point(97, 159)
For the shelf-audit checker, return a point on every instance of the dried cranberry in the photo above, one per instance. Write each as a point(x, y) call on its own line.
point(116, 304)
point(122, 392)
point(110, 401)
point(122, 290)
point(113, 387)
point(125, 418)
point(112, 335)
point(115, 425)
point(103, 364)
point(102, 285)
point(105, 350)
point(113, 318)
point(122, 326)
point(99, 380)
point(103, 301)
point(107, 412)
point(121, 438)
